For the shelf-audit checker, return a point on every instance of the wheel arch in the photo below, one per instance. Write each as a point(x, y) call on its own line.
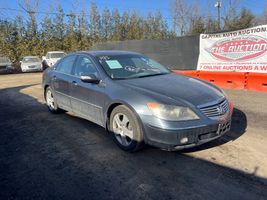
point(45, 87)
point(113, 105)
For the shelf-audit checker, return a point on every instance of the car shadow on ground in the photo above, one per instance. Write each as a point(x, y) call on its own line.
point(46, 156)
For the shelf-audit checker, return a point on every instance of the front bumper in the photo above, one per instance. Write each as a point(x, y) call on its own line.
point(183, 138)
point(32, 69)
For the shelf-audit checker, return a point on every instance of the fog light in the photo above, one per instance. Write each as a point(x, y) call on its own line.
point(184, 140)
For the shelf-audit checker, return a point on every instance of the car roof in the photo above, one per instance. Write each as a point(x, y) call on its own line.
point(55, 52)
point(31, 57)
point(108, 53)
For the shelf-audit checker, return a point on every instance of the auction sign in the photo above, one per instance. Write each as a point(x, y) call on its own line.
point(239, 51)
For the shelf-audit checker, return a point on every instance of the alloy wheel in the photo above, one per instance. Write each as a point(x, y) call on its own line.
point(123, 129)
point(50, 100)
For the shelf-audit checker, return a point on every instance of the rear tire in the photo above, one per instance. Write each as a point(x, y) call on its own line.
point(51, 102)
point(126, 129)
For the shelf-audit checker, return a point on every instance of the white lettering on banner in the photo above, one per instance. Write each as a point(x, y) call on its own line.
point(241, 51)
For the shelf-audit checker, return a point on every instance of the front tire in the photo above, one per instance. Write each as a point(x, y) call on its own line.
point(127, 131)
point(51, 102)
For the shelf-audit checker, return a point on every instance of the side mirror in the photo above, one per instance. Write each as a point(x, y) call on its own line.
point(90, 78)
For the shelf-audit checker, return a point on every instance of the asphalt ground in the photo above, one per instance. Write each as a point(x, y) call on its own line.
point(46, 156)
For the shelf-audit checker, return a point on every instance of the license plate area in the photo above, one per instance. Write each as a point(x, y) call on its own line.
point(223, 128)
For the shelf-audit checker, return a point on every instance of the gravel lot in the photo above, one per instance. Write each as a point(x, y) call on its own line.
point(45, 156)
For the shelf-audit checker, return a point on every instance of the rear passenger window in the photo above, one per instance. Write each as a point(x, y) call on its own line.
point(65, 65)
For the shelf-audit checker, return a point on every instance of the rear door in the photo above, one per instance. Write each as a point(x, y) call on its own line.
point(62, 80)
point(87, 99)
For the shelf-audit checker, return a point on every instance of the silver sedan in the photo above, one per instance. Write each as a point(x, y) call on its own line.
point(31, 63)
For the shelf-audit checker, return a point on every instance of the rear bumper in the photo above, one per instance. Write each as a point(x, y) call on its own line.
point(186, 137)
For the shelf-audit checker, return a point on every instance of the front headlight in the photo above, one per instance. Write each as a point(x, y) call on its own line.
point(171, 113)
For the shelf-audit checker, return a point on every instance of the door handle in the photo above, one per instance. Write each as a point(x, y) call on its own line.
point(54, 77)
point(74, 83)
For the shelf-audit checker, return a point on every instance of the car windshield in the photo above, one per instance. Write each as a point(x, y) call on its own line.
point(29, 60)
point(57, 55)
point(4, 60)
point(130, 66)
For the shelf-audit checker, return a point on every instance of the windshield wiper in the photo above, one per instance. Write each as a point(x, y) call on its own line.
point(133, 77)
point(157, 74)
point(119, 78)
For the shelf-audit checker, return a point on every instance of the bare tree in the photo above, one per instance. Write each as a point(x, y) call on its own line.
point(30, 6)
point(262, 19)
point(183, 15)
point(230, 13)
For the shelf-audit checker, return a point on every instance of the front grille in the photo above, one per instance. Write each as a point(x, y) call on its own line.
point(216, 110)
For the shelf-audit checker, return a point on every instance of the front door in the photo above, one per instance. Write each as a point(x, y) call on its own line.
point(87, 99)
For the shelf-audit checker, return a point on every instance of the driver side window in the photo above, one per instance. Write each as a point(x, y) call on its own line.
point(84, 66)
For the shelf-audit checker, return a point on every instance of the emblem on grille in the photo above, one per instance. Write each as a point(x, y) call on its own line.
point(221, 110)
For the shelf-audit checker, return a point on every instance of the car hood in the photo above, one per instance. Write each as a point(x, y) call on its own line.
point(178, 87)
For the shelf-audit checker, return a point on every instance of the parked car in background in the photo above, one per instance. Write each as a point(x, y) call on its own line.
point(31, 63)
point(51, 58)
point(5, 65)
point(137, 99)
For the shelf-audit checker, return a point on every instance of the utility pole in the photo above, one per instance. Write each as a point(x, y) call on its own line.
point(218, 5)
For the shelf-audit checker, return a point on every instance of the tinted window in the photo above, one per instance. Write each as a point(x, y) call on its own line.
point(84, 66)
point(65, 65)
